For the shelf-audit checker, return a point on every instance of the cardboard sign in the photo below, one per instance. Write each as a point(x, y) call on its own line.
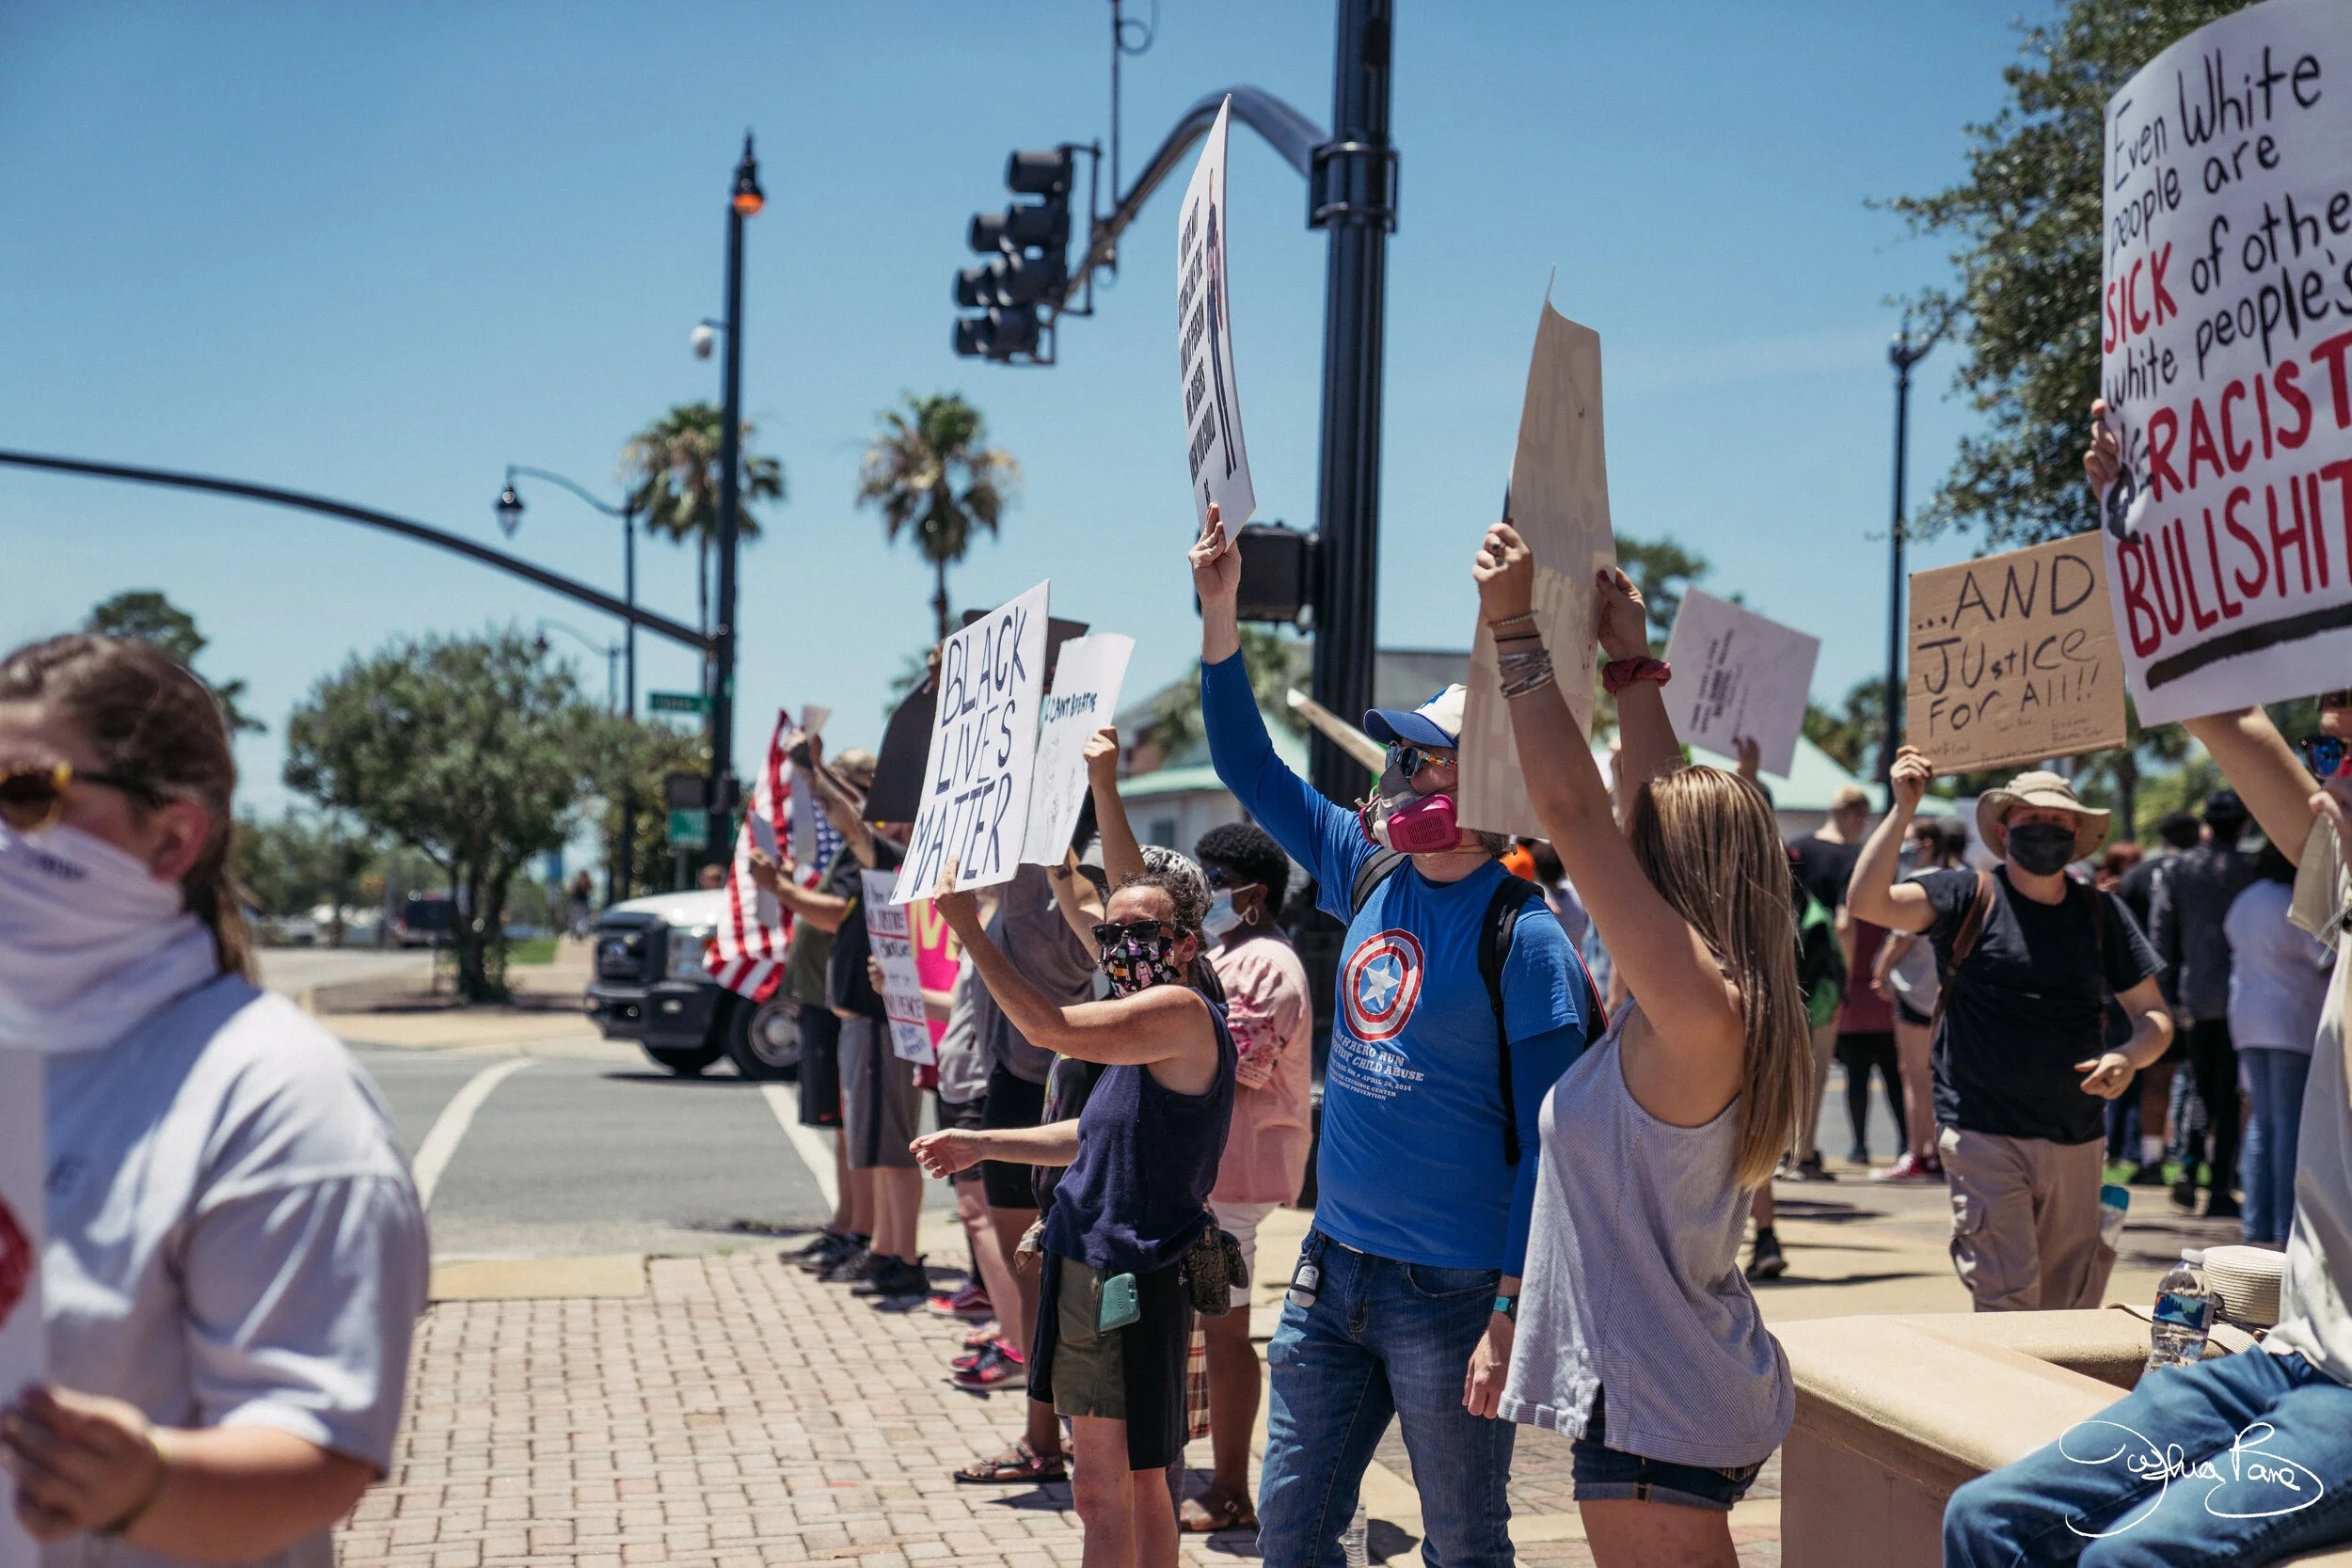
point(1559, 502)
point(1086, 678)
point(2226, 339)
point(890, 935)
point(23, 1216)
point(2013, 658)
point(974, 806)
point(1738, 674)
point(1204, 343)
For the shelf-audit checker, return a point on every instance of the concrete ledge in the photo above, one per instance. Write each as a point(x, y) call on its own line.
point(615, 1278)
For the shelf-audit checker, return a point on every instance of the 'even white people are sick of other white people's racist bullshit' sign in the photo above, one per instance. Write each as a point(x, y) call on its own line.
point(890, 936)
point(1738, 674)
point(1219, 458)
point(1088, 674)
point(2226, 339)
point(974, 807)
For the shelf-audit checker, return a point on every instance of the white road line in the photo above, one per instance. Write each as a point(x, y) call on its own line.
point(816, 1152)
point(449, 1128)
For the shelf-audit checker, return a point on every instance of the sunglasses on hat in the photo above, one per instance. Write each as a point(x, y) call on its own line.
point(2323, 754)
point(32, 795)
point(1409, 759)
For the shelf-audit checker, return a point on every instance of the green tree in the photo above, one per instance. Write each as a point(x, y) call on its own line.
point(641, 755)
point(1853, 735)
point(2025, 224)
point(144, 615)
point(476, 752)
point(304, 859)
point(1661, 569)
point(670, 471)
point(929, 473)
point(1276, 664)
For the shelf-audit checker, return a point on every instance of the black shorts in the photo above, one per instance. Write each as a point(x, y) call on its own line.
point(967, 1115)
point(1010, 1101)
point(1151, 1352)
point(1911, 1015)
point(821, 1067)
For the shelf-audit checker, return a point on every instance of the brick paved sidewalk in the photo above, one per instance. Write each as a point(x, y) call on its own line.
point(740, 1415)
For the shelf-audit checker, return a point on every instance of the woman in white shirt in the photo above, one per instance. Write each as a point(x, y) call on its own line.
point(2278, 986)
point(235, 1255)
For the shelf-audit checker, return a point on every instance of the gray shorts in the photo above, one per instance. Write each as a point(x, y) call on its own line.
point(882, 1109)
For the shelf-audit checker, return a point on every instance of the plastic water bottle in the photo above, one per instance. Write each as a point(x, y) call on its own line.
point(2115, 1201)
point(2184, 1315)
point(1356, 1545)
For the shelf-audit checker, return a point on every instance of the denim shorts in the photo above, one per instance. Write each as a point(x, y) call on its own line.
point(1603, 1473)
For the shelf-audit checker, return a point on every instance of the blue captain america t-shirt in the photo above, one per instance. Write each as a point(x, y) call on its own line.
point(1411, 1165)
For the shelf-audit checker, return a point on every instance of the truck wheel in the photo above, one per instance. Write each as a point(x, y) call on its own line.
point(686, 1061)
point(764, 1040)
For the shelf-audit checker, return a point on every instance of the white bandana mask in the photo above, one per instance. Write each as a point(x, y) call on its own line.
point(89, 943)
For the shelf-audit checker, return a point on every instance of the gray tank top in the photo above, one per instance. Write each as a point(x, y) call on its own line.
point(1633, 1281)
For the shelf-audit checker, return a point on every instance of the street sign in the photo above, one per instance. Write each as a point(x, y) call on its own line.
point(676, 701)
point(690, 830)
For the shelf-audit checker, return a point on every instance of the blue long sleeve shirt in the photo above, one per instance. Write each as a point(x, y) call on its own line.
point(1412, 1161)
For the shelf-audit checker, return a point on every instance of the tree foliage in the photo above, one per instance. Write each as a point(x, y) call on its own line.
point(670, 471)
point(476, 752)
point(1661, 569)
point(1276, 664)
point(306, 859)
point(639, 756)
point(143, 615)
point(930, 473)
point(2024, 227)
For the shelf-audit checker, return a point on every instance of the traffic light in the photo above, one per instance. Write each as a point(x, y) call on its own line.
point(1018, 291)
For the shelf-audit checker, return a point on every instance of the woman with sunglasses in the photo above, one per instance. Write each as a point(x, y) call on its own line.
point(1113, 1319)
point(235, 1256)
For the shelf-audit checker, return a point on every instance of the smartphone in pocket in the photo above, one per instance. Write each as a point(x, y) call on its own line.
point(1120, 1307)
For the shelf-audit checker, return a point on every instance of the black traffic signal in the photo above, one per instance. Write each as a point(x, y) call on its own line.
point(1018, 291)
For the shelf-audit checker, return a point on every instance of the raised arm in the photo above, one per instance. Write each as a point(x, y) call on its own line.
point(1081, 907)
point(1647, 748)
point(824, 910)
point(1122, 856)
point(1873, 893)
point(2264, 771)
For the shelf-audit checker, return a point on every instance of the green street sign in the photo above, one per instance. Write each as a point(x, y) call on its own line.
point(689, 830)
point(676, 701)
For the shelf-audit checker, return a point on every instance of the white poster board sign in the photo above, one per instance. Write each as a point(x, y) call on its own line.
point(1559, 502)
point(1086, 678)
point(2226, 340)
point(891, 936)
point(976, 779)
point(1204, 343)
point(804, 794)
point(22, 1212)
point(1739, 674)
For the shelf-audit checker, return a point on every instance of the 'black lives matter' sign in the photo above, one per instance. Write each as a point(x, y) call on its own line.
point(2225, 326)
point(974, 805)
point(1214, 451)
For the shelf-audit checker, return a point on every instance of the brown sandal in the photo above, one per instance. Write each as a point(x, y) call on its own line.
point(1198, 1517)
point(1020, 1464)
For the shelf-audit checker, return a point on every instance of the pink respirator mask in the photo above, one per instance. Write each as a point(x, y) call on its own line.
point(1421, 825)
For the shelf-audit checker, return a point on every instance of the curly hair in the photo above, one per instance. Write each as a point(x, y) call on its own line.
point(1172, 874)
point(1249, 852)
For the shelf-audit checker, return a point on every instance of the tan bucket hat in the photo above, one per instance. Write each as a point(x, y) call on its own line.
point(2038, 788)
point(856, 765)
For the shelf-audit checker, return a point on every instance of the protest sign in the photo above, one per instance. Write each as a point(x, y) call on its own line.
point(974, 807)
point(890, 936)
point(1086, 678)
point(805, 812)
point(2225, 327)
point(1737, 673)
point(23, 1211)
point(1204, 342)
point(937, 953)
point(2013, 658)
point(1559, 502)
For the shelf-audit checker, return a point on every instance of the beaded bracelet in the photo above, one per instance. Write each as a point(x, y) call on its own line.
point(1533, 675)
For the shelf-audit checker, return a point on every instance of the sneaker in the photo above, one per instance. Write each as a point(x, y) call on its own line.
point(895, 1279)
point(1811, 1169)
point(1907, 1167)
point(1858, 1155)
point(829, 1248)
point(970, 1304)
point(1932, 1166)
point(2221, 1205)
point(2185, 1194)
point(2145, 1176)
point(856, 1266)
point(999, 1364)
point(1767, 1261)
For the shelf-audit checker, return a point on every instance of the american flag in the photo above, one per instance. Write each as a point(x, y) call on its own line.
point(748, 952)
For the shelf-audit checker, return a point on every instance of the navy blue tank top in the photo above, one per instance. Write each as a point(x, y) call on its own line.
point(1134, 1199)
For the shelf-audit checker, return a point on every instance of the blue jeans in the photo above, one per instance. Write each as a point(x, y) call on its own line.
point(2133, 1485)
point(1383, 1338)
point(2276, 1078)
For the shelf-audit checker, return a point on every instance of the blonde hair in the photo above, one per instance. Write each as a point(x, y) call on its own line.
point(1708, 843)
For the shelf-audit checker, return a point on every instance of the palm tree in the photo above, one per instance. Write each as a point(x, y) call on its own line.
point(670, 471)
point(930, 476)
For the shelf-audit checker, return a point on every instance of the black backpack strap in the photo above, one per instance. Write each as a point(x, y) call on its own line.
point(1512, 896)
point(1964, 944)
point(1378, 867)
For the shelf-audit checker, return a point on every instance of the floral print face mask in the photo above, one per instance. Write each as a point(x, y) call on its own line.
point(1140, 955)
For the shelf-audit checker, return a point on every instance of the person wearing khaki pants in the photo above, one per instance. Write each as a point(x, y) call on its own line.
point(2028, 956)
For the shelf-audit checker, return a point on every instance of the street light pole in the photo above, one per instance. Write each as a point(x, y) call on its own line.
point(1902, 354)
point(744, 201)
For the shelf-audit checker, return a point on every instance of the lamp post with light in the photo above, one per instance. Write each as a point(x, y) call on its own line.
point(744, 201)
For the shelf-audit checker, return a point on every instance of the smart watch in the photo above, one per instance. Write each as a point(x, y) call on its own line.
point(1508, 1306)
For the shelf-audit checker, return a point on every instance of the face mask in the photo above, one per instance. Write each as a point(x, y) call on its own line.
point(1398, 819)
point(2042, 848)
point(1137, 963)
point(1220, 918)
point(89, 943)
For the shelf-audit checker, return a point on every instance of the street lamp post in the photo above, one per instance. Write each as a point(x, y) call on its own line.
point(1904, 353)
point(742, 203)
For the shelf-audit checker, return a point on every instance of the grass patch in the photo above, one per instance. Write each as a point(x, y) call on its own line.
point(534, 950)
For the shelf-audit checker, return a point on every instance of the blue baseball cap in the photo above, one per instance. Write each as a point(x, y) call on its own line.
point(1435, 722)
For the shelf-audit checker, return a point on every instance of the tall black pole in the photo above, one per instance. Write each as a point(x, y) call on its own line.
point(1902, 354)
point(621, 883)
point(744, 201)
point(1351, 192)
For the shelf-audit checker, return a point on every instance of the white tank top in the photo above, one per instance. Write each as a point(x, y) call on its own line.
point(1633, 1281)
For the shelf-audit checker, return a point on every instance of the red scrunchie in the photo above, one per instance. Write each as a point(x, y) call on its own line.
point(1618, 673)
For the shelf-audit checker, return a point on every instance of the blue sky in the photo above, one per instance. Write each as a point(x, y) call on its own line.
point(380, 252)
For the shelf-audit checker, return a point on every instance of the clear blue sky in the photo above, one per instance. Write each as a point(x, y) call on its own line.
point(380, 252)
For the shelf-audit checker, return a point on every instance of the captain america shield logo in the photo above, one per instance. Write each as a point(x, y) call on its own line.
point(1380, 984)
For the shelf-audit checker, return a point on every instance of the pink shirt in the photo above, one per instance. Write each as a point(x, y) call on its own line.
point(1270, 1012)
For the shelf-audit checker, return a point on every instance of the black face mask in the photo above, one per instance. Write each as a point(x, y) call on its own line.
point(2042, 848)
